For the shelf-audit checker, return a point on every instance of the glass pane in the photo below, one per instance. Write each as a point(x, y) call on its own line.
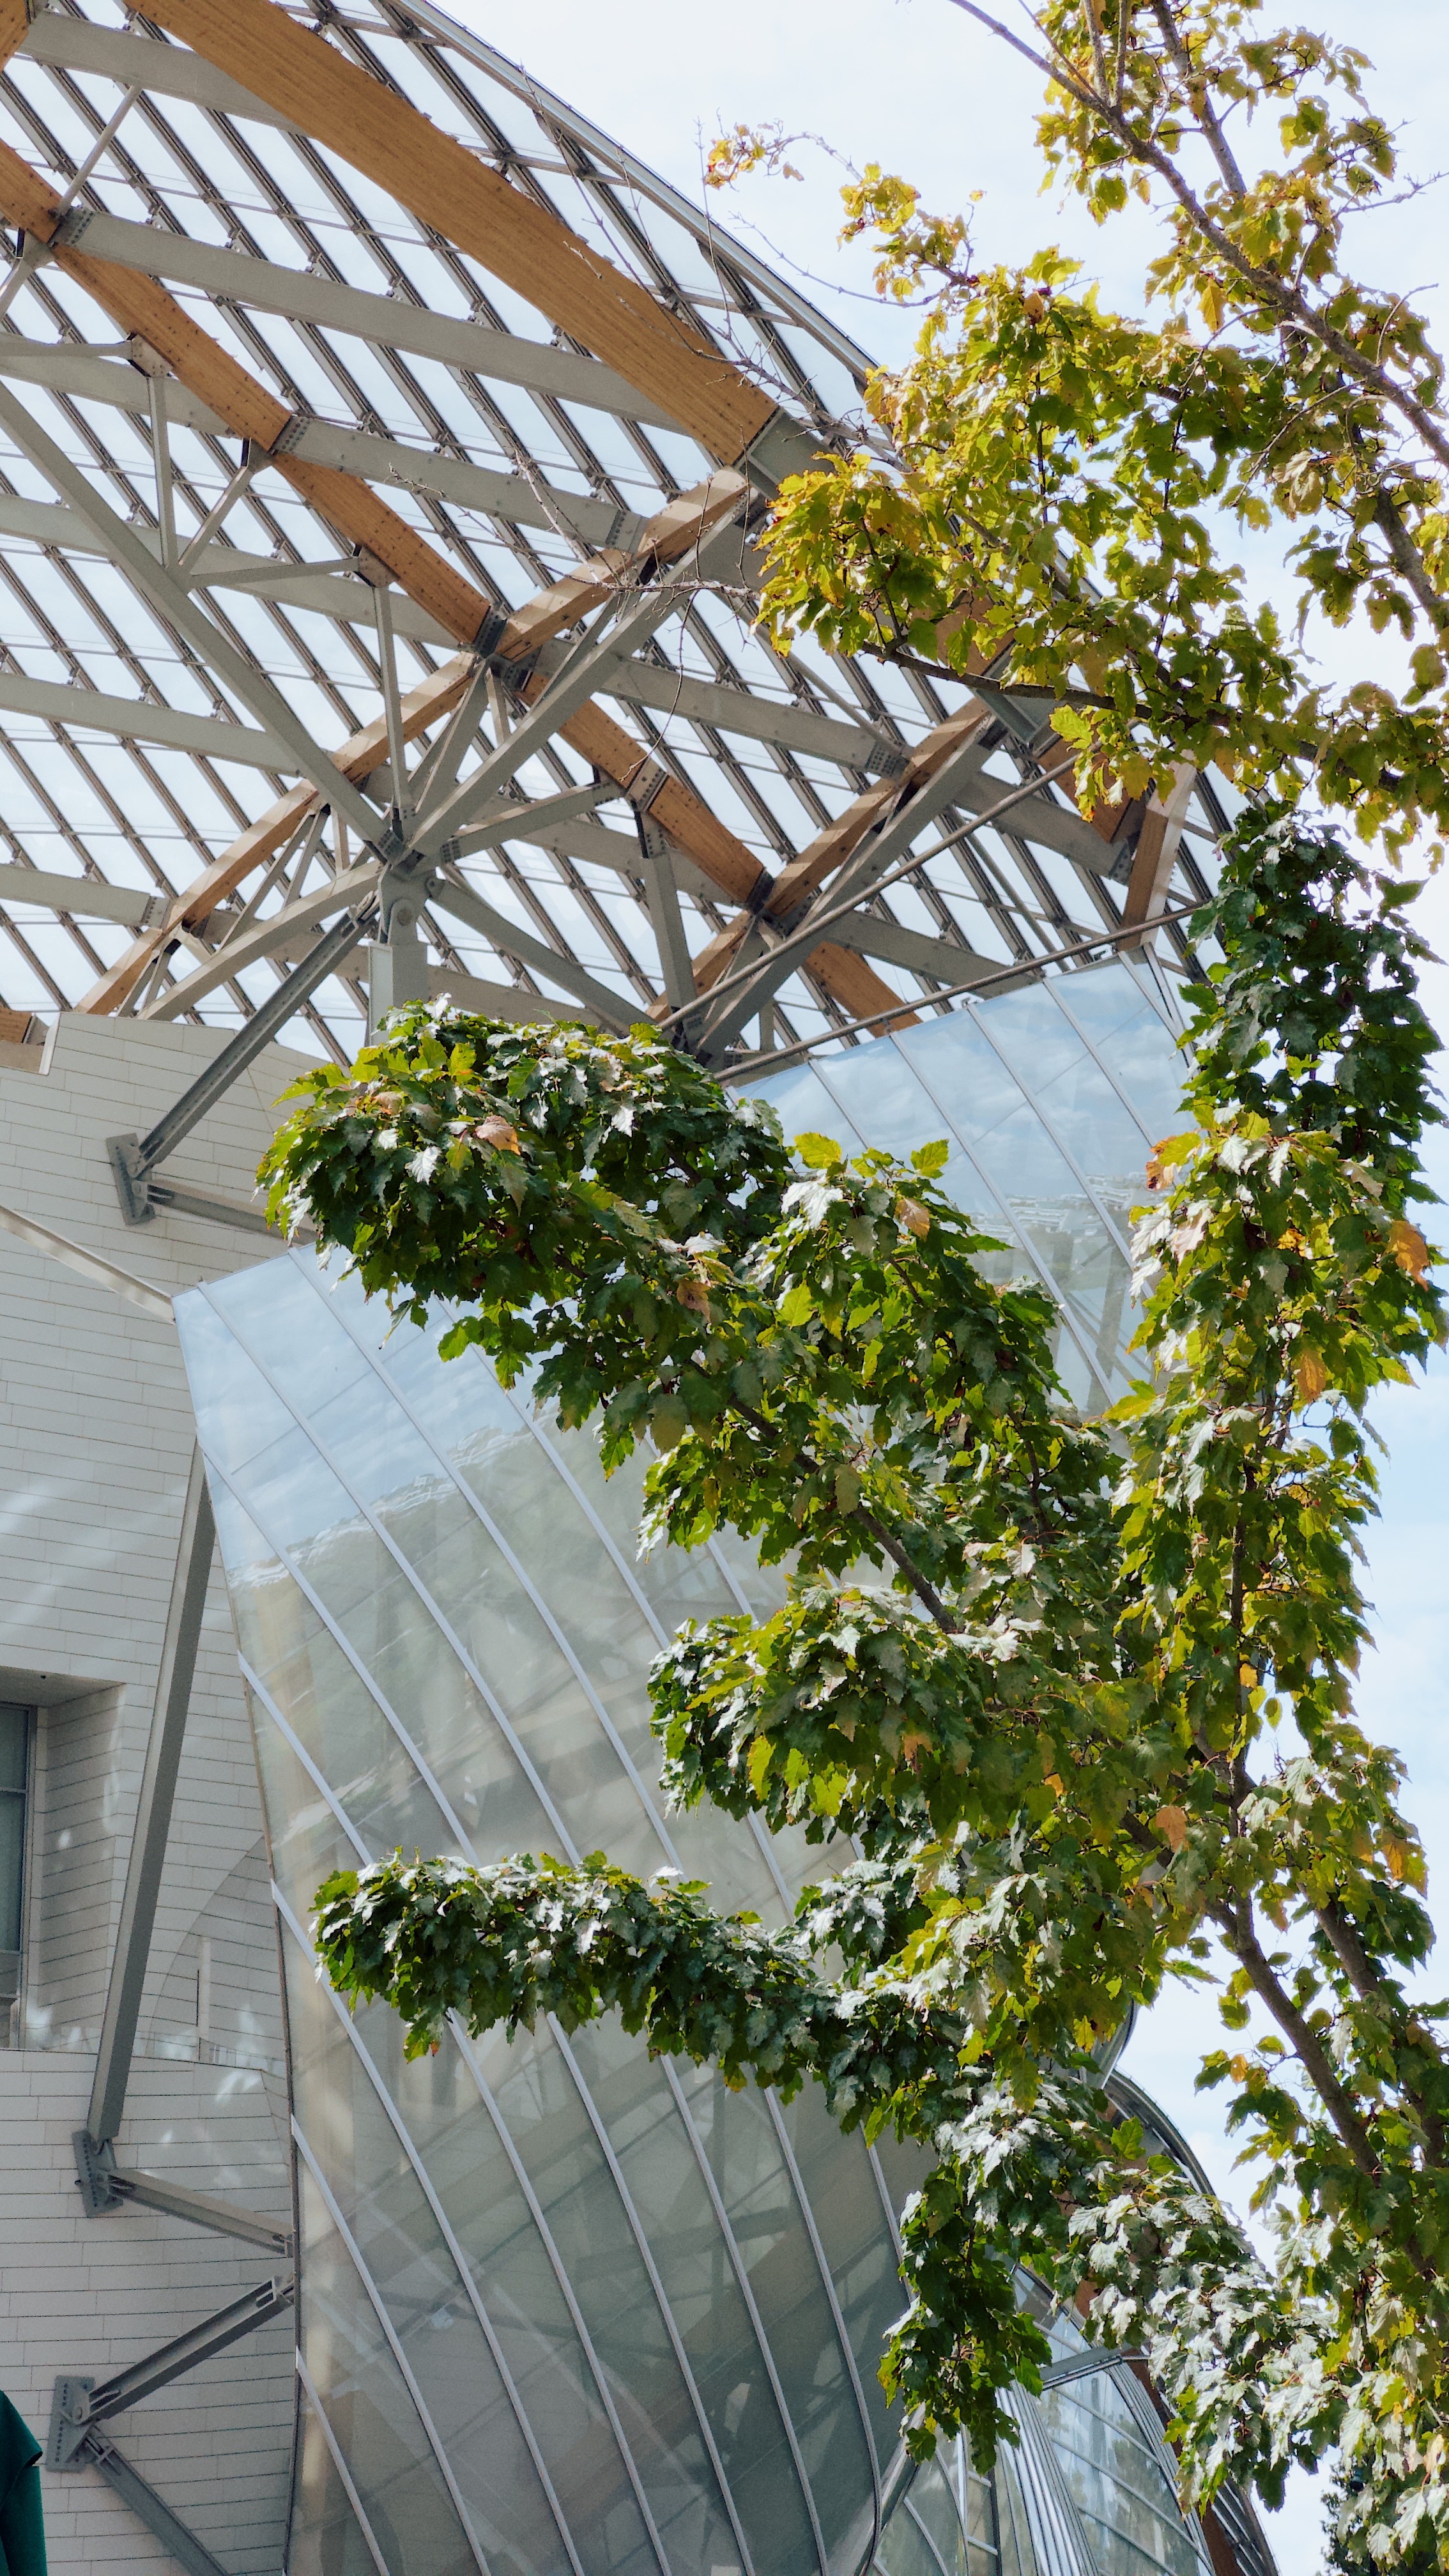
point(1119, 2479)
point(14, 1729)
point(12, 1857)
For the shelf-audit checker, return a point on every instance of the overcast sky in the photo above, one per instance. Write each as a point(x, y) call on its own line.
point(916, 85)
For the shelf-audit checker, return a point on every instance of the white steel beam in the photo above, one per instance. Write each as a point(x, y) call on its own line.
point(172, 603)
point(383, 319)
point(137, 720)
point(153, 1814)
point(84, 898)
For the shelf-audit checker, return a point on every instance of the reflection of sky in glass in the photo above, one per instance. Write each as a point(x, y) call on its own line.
point(1049, 1099)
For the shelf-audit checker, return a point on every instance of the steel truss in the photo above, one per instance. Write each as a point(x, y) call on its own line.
point(377, 559)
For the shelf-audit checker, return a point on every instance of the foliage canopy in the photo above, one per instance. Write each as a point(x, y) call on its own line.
point(1063, 484)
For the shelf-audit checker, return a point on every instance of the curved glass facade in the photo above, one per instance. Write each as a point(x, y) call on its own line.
point(1050, 1098)
point(564, 2308)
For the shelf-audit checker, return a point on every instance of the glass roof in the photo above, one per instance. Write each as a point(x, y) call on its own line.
point(275, 447)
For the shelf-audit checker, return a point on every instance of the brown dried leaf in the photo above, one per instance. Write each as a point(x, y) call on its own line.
point(498, 1133)
point(912, 1216)
point(1172, 1821)
point(1408, 1247)
point(1310, 1376)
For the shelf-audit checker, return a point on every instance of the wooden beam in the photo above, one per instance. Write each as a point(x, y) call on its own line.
point(144, 309)
point(831, 848)
point(14, 27)
point(299, 74)
point(718, 855)
point(1158, 843)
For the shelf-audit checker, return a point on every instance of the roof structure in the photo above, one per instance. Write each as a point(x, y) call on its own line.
point(381, 455)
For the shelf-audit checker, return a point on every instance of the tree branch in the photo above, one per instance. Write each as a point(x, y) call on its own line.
point(1197, 92)
point(1287, 301)
point(1236, 1928)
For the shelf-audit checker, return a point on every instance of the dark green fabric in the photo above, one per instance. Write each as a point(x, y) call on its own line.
point(22, 2526)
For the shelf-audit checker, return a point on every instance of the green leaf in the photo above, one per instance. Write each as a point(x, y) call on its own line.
point(818, 1153)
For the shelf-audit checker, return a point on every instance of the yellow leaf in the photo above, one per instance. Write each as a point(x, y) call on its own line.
point(1055, 1784)
point(1213, 305)
point(759, 1762)
point(1310, 1377)
point(912, 1216)
point(1168, 1151)
point(1396, 1855)
point(1034, 306)
point(1408, 1247)
point(1172, 1821)
point(498, 1133)
point(1247, 1677)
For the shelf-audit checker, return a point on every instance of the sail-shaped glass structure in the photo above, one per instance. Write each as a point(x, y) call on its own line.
point(353, 388)
point(563, 2307)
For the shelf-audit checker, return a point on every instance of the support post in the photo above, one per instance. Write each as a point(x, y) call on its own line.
point(133, 1159)
point(153, 1815)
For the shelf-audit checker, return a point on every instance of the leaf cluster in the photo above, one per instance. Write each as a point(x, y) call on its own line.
point(1058, 490)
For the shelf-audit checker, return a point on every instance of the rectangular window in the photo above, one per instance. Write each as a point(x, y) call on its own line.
point(14, 1780)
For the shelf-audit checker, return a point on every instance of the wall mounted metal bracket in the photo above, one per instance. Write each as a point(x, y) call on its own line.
point(105, 2187)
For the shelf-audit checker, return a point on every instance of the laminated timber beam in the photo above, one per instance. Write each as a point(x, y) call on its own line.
point(149, 314)
point(380, 133)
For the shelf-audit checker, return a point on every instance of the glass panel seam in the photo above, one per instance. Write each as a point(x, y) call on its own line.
point(460, 2260)
point(1063, 1148)
point(586, 2341)
point(515, 1565)
point(295, 1745)
point(378, 1698)
point(1050, 984)
point(359, 2511)
point(827, 2283)
point(435, 2442)
point(641, 1599)
point(737, 2264)
point(909, 2508)
point(1057, 2527)
point(887, 2202)
point(1023, 1239)
point(626, 2199)
point(409, 1573)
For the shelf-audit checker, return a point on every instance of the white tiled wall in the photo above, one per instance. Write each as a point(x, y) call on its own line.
point(95, 1441)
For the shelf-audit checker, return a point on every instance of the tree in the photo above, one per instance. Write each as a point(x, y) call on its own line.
point(1064, 483)
point(1082, 1691)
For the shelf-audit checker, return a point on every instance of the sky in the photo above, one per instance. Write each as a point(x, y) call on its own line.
point(917, 86)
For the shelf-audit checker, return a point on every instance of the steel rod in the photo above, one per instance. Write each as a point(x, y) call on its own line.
point(153, 1814)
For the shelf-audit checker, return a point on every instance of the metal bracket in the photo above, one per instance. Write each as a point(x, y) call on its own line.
point(72, 228)
point(79, 2405)
point(291, 434)
point(95, 2173)
point(132, 1187)
point(70, 2415)
point(105, 2187)
point(133, 1159)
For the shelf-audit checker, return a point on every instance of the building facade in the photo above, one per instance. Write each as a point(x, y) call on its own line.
point(382, 459)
